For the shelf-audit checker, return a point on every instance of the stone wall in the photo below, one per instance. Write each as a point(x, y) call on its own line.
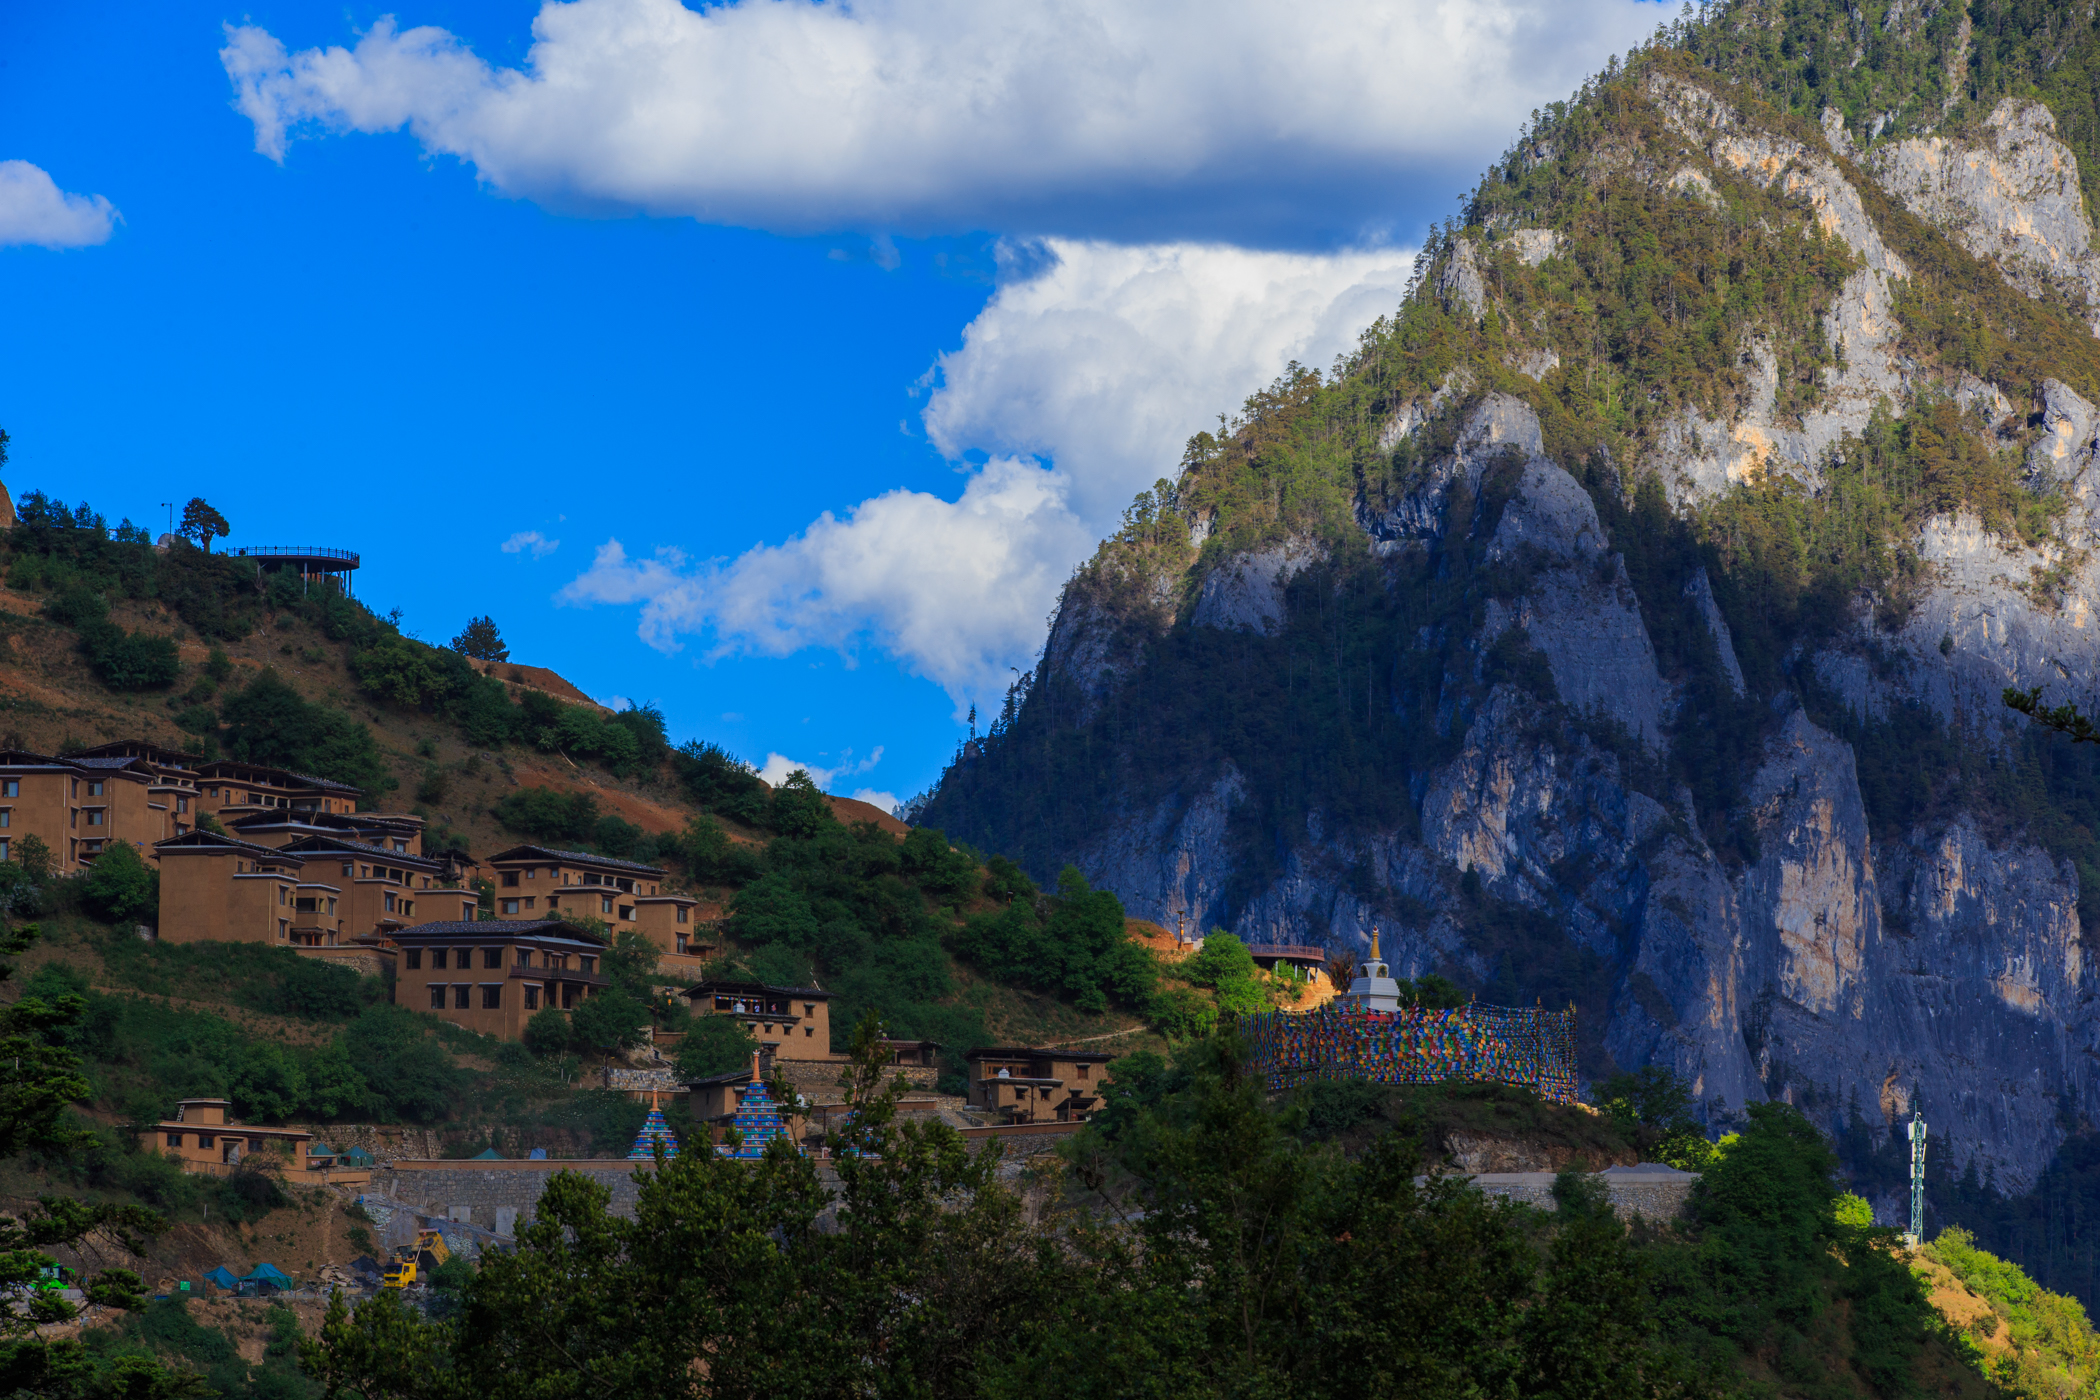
point(365, 962)
point(1657, 1195)
point(493, 1197)
point(818, 1080)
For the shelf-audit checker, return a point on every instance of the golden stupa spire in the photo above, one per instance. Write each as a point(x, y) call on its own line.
point(1374, 945)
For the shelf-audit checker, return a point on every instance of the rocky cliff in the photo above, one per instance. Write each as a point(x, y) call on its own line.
point(1626, 623)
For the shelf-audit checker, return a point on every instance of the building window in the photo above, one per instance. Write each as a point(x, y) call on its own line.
point(682, 911)
point(809, 1008)
point(94, 789)
point(415, 958)
point(510, 906)
point(492, 996)
point(681, 943)
point(401, 846)
point(390, 902)
point(532, 873)
point(589, 965)
point(284, 928)
point(532, 996)
point(3, 848)
point(809, 1030)
point(174, 1139)
point(11, 788)
point(492, 957)
point(1083, 1070)
point(528, 903)
point(437, 958)
point(94, 816)
point(459, 996)
point(510, 879)
point(349, 872)
point(437, 996)
point(605, 906)
point(204, 1139)
point(7, 816)
point(408, 908)
point(364, 872)
point(524, 957)
point(280, 894)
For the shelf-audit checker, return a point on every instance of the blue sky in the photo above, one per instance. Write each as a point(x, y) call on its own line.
point(796, 352)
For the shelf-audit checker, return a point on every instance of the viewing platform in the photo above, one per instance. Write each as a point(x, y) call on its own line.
point(311, 560)
point(1300, 954)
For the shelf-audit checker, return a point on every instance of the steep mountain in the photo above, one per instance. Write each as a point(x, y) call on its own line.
point(1625, 620)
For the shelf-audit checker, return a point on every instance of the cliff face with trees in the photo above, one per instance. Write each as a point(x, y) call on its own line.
point(1625, 621)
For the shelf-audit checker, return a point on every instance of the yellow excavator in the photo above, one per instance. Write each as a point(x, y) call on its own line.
point(412, 1263)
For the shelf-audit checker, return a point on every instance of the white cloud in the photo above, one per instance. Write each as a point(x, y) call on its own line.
point(530, 541)
point(887, 801)
point(777, 766)
point(949, 587)
point(1253, 120)
point(1106, 362)
point(34, 210)
point(1102, 365)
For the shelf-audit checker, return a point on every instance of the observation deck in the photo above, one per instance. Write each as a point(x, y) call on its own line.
point(311, 560)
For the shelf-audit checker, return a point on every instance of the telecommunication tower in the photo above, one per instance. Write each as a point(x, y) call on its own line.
point(1917, 1180)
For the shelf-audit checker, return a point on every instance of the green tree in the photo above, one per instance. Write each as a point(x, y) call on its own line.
point(800, 807)
point(269, 722)
point(609, 1020)
point(714, 1045)
point(548, 1033)
point(202, 524)
point(119, 887)
point(480, 641)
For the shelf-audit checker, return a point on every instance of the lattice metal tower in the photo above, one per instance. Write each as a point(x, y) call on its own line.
point(1917, 1179)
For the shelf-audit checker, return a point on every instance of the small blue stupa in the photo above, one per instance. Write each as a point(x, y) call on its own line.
point(654, 1130)
point(757, 1120)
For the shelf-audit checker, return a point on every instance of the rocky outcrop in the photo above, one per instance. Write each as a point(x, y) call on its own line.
point(1460, 283)
point(1700, 457)
point(1245, 593)
point(2009, 195)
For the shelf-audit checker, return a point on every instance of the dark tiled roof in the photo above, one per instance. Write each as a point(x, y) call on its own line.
point(23, 758)
point(105, 762)
point(152, 753)
point(212, 841)
point(220, 767)
point(580, 857)
point(735, 1076)
point(1023, 1052)
point(321, 844)
point(500, 928)
point(755, 987)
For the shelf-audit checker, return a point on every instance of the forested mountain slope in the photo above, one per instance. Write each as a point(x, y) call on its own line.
point(1625, 621)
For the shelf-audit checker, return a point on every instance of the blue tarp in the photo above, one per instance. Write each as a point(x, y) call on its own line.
point(357, 1157)
point(222, 1276)
point(268, 1273)
point(488, 1154)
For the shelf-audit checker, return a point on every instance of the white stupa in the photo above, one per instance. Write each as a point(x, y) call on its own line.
point(1374, 989)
